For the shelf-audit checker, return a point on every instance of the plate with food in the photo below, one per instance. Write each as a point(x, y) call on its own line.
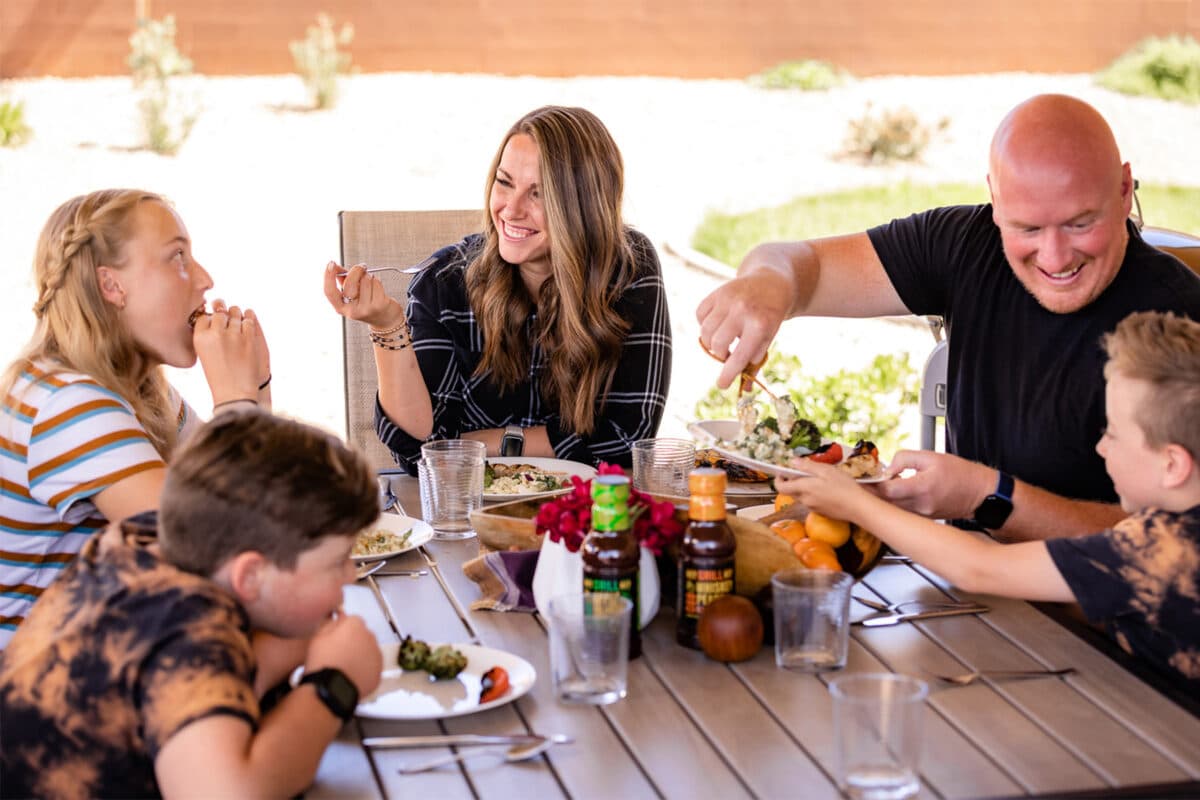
point(524, 477)
point(388, 536)
point(741, 480)
point(472, 678)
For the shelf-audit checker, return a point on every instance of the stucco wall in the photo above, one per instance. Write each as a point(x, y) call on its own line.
point(685, 38)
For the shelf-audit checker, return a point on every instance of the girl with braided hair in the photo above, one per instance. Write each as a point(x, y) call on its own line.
point(87, 418)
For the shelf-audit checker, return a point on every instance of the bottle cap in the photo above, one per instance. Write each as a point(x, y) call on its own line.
point(707, 481)
point(610, 503)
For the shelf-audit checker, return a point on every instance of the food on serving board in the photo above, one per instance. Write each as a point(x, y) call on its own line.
point(735, 472)
point(380, 540)
point(493, 685)
point(521, 479)
point(441, 662)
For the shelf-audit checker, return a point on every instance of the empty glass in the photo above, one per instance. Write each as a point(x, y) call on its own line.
point(589, 646)
point(662, 466)
point(450, 474)
point(812, 618)
point(877, 723)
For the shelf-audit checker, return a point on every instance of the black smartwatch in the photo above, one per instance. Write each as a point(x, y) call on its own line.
point(995, 508)
point(512, 443)
point(336, 691)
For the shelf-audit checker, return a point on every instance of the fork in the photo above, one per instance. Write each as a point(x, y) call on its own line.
point(892, 608)
point(967, 678)
point(415, 268)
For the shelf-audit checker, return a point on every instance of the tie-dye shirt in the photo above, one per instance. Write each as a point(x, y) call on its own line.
point(63, 439)
point(116, 657)
point(1141, 580)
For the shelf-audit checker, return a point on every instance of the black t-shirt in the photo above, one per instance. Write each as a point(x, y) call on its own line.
point(1026, 385)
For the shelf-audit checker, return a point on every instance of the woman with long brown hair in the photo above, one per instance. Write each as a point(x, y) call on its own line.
point(545, 335)
point(87, 418)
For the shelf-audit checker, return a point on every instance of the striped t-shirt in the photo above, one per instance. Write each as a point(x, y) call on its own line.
point(63, 439)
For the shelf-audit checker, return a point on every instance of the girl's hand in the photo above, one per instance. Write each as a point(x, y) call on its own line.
point(356, 295)
point(231, 347)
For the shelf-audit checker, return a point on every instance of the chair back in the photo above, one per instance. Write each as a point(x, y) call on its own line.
point(386, 239)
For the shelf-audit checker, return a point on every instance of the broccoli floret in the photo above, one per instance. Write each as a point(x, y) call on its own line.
point(413, 654)
point(805, 433)
point(445, 662)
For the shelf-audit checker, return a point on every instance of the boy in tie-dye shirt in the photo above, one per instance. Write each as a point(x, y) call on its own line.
point(139, 671)
point(1141, 578)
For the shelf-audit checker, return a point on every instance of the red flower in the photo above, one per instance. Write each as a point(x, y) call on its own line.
point(568, 518)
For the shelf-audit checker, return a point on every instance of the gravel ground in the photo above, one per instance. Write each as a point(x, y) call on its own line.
point(260, 182)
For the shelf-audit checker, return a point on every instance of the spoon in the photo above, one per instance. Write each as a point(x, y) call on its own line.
point(518, 752)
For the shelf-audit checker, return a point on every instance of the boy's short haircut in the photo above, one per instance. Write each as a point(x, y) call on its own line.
point(1162, 350)
point(255, 481)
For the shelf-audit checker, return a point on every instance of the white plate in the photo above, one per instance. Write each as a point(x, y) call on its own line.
point(553, 465)
point(413, 695)
point(421, 533)
point(756, 512)
point(719, 434)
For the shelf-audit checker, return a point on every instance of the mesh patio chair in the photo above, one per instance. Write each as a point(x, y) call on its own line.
point(386, 239)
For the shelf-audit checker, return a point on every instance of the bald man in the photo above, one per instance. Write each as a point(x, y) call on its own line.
point(1027, 286)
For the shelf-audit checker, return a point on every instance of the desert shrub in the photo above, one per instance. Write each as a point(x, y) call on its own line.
point(1168, 68)
point(13, 128)
point(318, 60)
point(895, 134)
point(847, 405)
point(167, 116)
point(808, 75)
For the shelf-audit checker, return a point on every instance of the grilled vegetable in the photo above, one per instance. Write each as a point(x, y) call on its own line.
point(494, 684)
point(413, 653)
point(827, 454)
point(445, 662)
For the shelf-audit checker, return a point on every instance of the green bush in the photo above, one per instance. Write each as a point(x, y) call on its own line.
point(167, 117)
point(807, 75)
point(1167, 68)
point(13, 130)
point(847, 405)
point(318, 60)
point(895, 134)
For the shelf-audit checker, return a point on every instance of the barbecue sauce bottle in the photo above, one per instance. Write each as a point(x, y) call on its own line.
point(610, 550)
point(706, 554)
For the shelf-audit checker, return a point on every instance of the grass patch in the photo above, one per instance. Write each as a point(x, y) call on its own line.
point(809, 75)
point(728, 237)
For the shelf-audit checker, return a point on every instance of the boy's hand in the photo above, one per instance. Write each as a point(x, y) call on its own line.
point(346, 644)
point(828, 490)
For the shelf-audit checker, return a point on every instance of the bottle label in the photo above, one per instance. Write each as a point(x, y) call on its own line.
point(701, 586)
point(625, 585)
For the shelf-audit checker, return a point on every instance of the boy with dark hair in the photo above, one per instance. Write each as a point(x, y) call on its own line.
point(137, 672)
point(1139, 578)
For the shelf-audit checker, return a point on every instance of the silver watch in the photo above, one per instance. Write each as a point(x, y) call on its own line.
point(512, 443)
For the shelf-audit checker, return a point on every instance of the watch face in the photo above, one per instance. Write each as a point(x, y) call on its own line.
point(335, 690)
point(993, 512)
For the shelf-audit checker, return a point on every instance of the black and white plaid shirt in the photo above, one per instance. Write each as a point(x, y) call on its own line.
point(449, 344)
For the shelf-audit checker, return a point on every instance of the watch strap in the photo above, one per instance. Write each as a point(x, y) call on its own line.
point(335, 690)
point(995, 509)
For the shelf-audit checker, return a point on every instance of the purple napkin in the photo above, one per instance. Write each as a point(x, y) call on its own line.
point(505, 579)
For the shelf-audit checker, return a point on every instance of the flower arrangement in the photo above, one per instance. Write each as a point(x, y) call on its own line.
point(568, 518)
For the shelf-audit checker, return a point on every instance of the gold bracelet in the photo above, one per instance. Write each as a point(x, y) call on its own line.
point(403, 326)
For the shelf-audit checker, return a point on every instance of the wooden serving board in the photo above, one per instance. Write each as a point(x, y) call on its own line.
point(760, 553)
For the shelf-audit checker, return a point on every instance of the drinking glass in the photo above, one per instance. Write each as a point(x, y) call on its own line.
point(662, 466)
point(589, 646)
point(877, 721)
point(450, 474)
point(812, 618)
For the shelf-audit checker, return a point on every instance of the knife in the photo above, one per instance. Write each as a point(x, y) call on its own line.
point(457, 740)
point(893, 619)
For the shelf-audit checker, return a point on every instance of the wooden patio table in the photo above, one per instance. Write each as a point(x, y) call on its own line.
point(694, 728)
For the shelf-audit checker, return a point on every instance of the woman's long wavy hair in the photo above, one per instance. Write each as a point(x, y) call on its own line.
point(581, 181)
point(77, 330)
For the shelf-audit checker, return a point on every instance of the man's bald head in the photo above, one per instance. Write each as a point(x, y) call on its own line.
point(1060, 197)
